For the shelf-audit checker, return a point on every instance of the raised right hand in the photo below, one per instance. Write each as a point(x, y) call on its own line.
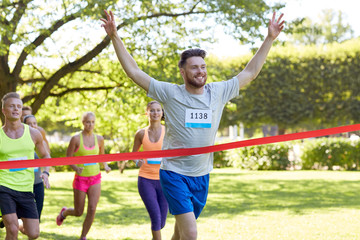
point(109, 23)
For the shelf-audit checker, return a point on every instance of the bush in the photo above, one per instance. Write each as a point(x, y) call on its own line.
point(221, 160)
point(261, 157)
point(59, 150)
point(321, 153)
point(325, 153)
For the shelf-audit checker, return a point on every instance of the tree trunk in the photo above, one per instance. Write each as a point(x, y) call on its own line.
point(7, 84)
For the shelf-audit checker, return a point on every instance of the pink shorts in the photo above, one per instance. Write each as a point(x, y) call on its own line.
point(83, 183)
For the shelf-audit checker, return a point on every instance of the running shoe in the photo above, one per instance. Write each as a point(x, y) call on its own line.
point(60, 218)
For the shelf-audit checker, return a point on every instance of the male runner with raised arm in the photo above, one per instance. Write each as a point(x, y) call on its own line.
point(193, 112)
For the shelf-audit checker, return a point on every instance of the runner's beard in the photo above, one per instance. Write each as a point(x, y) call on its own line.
point(196, 84)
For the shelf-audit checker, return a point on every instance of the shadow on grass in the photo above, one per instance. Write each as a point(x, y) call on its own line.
point(124, 215)
point(230, 194)
point(112, 191)
point(117, 199)
point(230, 197)
point(54, 236)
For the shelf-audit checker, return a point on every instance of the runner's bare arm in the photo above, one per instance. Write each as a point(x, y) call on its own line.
point(139, 135)
point(39, 143)
point(42, 151)
point(102, 151)
point(73, 145)
point(43, 134)
point(127, 61)
point(254, 66)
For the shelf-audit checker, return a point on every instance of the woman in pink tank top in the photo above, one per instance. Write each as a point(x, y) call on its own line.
point(151, 138)
point(87, 181)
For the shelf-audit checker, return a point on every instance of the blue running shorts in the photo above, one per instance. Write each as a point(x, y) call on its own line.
point(184, 193)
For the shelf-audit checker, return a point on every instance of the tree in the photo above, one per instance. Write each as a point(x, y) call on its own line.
point(301, 87)
point(44, 43)
point(332, 27)
point(119, 111)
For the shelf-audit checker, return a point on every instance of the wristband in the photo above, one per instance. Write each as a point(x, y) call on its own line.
point(136, 163)
point(47, 173)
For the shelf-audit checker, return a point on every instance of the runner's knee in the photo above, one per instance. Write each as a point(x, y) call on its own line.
point(33, 235)
point(190, 233)
point(92, 209)
point(13, 229)
point(79, 212)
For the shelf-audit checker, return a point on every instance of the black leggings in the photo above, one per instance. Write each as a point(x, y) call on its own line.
point(39, 197)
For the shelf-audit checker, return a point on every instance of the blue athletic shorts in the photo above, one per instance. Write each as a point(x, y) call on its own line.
point(183, 193)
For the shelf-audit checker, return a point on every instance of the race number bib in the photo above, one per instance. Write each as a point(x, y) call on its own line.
point(16, 159)
point(154, 160)
point(197, 118)
point(89, 164)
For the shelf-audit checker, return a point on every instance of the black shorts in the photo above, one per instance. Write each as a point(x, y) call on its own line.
point(21, 203)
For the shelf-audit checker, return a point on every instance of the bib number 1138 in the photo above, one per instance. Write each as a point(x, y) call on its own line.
point(197, 118)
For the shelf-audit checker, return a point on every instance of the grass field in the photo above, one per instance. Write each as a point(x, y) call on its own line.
point(241, 205)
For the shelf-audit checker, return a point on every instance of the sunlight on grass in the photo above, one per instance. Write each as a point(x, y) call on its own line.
point(245, 205)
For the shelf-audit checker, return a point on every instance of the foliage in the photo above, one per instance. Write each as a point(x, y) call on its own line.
point(58, 150)
point(301, 86)
point(221, 160)
point(320, 153)
point(260, 157)
point(329, 152)
point(43, 49)
point(120, 112)
point(331, 28)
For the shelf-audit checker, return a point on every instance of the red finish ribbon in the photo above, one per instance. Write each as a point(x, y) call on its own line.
point(175, 152)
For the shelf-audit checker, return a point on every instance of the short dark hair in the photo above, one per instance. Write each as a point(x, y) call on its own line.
point(7, 96)
point(27, 117)
point(193, 52)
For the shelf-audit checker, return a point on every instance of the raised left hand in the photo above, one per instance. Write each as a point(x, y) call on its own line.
point(275, 26)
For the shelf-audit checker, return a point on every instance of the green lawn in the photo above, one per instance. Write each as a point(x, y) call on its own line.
point(241, 205)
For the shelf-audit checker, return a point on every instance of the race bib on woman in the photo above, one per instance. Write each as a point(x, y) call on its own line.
point(154, 160)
